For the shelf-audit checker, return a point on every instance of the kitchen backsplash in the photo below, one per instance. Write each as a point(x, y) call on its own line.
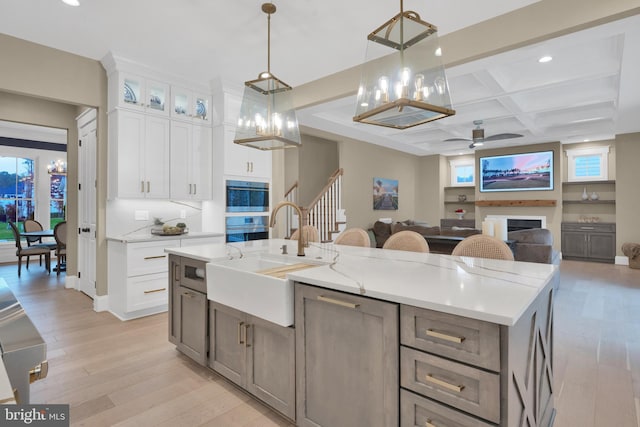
point(122, 214)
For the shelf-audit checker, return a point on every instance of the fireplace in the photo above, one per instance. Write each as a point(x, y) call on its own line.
point(521, 222)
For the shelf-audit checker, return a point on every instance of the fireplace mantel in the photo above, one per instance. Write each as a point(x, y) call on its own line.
point(516, 203)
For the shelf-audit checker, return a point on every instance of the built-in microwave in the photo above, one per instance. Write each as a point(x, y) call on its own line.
point(247, 196)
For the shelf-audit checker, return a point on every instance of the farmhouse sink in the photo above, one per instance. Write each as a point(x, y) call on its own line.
point(256, 284)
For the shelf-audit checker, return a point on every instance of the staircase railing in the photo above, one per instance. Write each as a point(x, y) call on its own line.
point(291, 195)
point(323, 211)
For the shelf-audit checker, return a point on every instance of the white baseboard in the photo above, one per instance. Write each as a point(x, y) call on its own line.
point(71, 282)
point(622, 260)
point(101, 303)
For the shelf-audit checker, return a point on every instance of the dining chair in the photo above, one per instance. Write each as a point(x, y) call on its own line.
point(310, 234)
point(33, 225)
point(406, 240)
point(483, 246)
point(37, 249)
point(60, 234)
point(354, 237)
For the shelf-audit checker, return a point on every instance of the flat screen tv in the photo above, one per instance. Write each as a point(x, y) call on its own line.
point(517, 172)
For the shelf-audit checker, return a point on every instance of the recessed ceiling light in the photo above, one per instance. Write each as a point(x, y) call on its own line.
point(586, 140)
point(71, 2)
point(544, 59)
point(438, 51)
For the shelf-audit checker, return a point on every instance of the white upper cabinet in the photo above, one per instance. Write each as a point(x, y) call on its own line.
point(191, 161)
point(245, 161)
point(138, 93)
point(138, 155)
point(190, 105)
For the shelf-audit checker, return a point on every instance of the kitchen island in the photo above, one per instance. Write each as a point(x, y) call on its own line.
point(381, 337)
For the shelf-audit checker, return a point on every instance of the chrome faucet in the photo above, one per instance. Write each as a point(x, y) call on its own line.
point(272, 222)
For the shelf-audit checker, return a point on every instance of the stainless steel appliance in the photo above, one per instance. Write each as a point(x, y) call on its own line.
point(244, 228)
point(247, 196)
point(22, 348)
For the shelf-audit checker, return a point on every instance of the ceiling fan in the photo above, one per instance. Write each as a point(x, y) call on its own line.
point(478, 139)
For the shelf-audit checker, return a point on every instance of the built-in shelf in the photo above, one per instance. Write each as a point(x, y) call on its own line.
point(589, 202)
point(466, 202)
point(588, 182)
point(461, 187)
point(515, 203)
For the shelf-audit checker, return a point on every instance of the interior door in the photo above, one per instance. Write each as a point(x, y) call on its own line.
point(87, 204)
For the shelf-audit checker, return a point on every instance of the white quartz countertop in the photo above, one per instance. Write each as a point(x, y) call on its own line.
point(491, 290)
point(148, 237)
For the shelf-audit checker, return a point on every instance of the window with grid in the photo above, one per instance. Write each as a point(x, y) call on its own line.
point(17, 199)
point(58, 198)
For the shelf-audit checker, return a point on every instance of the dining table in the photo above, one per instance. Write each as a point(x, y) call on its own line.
point(38, 233)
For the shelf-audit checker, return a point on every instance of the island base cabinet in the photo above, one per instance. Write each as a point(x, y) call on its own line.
point(188, 308)
point(418, 411)
point(190, 311)
point(257, 355)
point(346, 359)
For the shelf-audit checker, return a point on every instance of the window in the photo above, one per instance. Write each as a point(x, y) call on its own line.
point(58, 198)
point(588, 164)
point(16, 193)
point(462, 172)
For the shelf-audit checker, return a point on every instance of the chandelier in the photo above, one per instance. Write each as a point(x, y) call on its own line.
point(267, 119)
point(403, 81)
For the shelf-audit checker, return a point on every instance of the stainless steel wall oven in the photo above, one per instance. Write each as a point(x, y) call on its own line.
point(247, 196)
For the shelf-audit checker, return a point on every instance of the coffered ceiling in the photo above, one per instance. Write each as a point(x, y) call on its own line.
point(589, 91)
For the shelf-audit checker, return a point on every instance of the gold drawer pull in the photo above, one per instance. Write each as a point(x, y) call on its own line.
point(431, 379)
point(337, 302)
point(155, 257)
point(240, 330)
point(188, 294)
point(432, 333)
point(155, 290)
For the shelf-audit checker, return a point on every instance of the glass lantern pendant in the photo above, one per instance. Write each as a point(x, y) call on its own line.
point(403, 81)
point(267, 118)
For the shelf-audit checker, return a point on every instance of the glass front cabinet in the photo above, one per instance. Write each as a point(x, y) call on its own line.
point(189, 105)
point(139, 93)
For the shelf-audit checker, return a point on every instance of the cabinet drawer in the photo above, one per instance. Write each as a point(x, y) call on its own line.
point(461, 338)
point(147, 291)
point(148, 257)
point(602, 227)
point(418, 411)
point(469, 389)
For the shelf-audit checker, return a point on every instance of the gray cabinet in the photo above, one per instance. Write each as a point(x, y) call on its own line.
point(255, 354)
point(589, 242)
point(188, 308)
point(457, 371)
point(347, 353)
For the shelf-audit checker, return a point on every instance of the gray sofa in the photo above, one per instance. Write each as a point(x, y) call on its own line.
point(381, 231)
point(534, 245)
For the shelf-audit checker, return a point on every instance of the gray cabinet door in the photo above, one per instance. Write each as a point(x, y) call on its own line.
point(574, 243)
point(271, 364)
point(346, 359)
point(602, 245)
point(191, 306)
point(227, 329)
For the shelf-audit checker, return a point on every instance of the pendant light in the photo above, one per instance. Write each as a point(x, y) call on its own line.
point(403, 80)
point(267, 119)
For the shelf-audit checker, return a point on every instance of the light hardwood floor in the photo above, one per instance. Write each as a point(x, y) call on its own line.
point(128, 374)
